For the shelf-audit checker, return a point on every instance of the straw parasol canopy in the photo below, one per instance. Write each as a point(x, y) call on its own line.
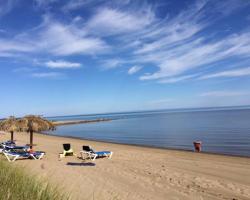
point(11, 125)
point(33, 123)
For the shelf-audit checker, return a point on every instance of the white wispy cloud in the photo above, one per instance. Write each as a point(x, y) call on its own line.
point(177, 79)
point(228, 73)
point(111, 63)
point(61, 64)
point(168, 32)
point(178, 60)
point(134, 69)
point(109, 21)
point(55, 39)
point(76, 4)
point(48, 75)
point(177, 45)
point(223, 93)
point(11, 46)
point(66, 40)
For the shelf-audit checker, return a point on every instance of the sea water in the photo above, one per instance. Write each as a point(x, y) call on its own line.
point(224, 131)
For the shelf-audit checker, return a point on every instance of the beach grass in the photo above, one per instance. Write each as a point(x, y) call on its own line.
point(18, 184)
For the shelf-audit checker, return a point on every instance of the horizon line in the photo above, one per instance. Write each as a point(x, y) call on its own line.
point(152, 110)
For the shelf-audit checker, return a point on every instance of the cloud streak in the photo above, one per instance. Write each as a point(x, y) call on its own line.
point(111, 63)
point(113, 21)
point(61, 64)
point(76, 4)
point(54, 39)
point(223, 93)
point(177, 79)
point(134, 69)
point(51, 75)
point(229, 73)
point(66, 40)
point(179, 59)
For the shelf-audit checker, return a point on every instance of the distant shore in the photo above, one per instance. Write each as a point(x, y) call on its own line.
point(70, 122)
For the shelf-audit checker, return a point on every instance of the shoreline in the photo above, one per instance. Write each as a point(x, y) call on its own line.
point(133, 145)
point(147, 146)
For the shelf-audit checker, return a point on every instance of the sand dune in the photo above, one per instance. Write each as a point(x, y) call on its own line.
point(138, 172)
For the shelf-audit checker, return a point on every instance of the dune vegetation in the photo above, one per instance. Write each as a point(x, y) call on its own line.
point(17, 184)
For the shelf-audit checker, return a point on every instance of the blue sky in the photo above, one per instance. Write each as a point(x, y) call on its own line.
point(61, 57)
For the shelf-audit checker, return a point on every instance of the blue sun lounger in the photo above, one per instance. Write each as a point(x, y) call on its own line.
point(87, 150)
point(6, 143)
point(12, 153)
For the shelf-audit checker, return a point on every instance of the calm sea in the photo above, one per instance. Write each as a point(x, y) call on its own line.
point(221, 131)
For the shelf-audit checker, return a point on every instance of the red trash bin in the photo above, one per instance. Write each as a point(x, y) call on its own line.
point(197, 146)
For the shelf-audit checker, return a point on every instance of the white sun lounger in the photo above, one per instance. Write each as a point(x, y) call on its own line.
point(13, 156)
point(91, 154)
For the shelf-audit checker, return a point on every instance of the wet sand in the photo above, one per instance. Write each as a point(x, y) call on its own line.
point(138, 172)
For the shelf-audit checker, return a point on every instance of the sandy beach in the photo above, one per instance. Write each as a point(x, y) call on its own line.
point(137, 172)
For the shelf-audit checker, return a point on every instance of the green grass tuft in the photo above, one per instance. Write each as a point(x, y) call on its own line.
point(15, 184)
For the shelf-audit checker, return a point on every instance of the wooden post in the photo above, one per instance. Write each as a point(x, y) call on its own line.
point(31, 139)
point(12, 136)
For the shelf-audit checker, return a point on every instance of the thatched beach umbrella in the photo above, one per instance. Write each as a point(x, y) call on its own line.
point(11, 125)
point(32, 123)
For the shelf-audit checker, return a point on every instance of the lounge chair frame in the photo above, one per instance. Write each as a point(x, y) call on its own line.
point(67, 151)
point(93, 155)
point(12, 156)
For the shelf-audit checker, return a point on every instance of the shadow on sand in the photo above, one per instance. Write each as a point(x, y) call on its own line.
point(81, 164)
